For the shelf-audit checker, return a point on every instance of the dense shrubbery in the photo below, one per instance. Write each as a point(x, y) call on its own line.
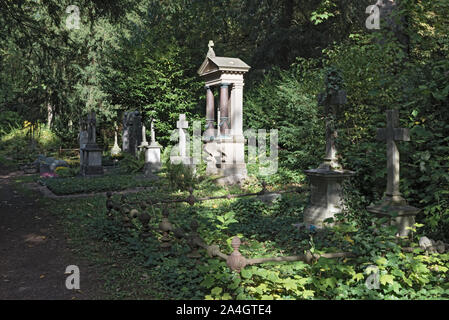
point(20, 143)
point(376, 78)
point(78, 184)
point(9, 120)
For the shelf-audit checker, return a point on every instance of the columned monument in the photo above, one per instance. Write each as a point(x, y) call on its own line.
point(224, 144)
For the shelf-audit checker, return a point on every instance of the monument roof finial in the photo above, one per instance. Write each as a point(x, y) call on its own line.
point(211, 53)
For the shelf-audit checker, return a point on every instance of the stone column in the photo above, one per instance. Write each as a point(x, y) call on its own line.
point(237, 124)
point(224, 110)
point(144, 143)
point(237, 109)
point(210, 114)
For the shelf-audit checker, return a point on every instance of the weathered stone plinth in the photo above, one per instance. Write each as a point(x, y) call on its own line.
point(400, 214)
point(152, 158)
point(326, 195)
point(226, 159)
point(232, 174)
point(91, 160)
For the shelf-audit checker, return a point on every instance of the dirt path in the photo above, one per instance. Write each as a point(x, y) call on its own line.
point(34, 252)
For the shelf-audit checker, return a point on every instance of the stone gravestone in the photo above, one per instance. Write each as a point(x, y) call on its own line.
point(91, 164)
point(152, 153)
point(393, 203)
point(132, 132)
point(326, 181)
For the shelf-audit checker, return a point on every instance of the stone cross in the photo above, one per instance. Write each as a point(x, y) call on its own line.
point(182, 124)
point(91, 122)
point(331, 101)
point(391, 134)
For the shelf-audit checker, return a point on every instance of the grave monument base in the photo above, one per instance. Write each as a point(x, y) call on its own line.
point(398, 211)
point(326, 195)
point(152, 158)
point(225, 150)
point(91, 161)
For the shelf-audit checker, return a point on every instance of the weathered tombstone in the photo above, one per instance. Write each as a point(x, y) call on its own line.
point(326, 181)
point(152, 153)
point(132, 132)
point(84, 138)
point(393, 205)
point(91, 164)
point(225, 146)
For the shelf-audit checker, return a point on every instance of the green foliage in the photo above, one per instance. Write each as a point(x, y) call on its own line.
point(273, 103)
point(179, 176)
point(266, 230)
point(132, 164)
point(9, 120)
point(24, 144)
point(66, 172)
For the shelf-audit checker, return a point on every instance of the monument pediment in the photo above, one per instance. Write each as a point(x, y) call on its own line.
point(222, 64)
